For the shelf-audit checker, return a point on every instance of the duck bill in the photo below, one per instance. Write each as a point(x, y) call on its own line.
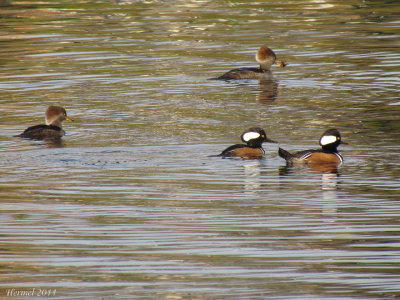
point(68, 119)
point(281, 63)
point(267, 140)
point(344, 143)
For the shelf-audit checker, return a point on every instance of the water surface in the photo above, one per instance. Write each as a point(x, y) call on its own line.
point(130, 205)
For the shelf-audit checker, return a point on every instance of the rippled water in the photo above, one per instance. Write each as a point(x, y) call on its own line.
point(130, 205)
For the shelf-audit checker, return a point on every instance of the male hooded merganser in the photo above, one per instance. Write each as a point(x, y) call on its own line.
point(265, 57)
point(254, 137)
point(53, 128)
point(329, 141)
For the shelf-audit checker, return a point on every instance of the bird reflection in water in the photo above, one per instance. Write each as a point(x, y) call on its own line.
point(329, 181)
point(329, 173)
point(252, 174)
point(54, 143)
point(268, 91)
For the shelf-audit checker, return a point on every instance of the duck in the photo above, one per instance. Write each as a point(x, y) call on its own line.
point(253, 138)
point(266, 57)
point(328, 154)
point(55, 115)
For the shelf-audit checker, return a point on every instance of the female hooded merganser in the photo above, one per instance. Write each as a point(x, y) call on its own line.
point(254, 137)
point(329, 141)
point(265, 57)
point(53, 128)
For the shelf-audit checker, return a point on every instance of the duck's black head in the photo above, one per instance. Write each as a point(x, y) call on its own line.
point(255, 136)
point(330, 140)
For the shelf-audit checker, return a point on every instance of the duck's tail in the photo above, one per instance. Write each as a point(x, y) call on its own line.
point(285, 154)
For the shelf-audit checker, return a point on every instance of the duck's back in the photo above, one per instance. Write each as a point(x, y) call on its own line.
point(311, 156)
point(41, 132)
point(245, 73)
point(243, 151)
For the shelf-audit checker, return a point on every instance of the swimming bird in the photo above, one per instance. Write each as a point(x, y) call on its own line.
point(329, 154)
point(254, 138)
point(265, 57)
point(53, 128)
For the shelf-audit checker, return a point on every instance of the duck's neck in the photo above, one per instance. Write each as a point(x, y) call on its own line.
point(265, 67)
point(56, 122)
point(330, 148)
point(255, 144)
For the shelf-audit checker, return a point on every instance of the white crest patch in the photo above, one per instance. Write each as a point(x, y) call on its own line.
point(328, 139)
point(250, 136)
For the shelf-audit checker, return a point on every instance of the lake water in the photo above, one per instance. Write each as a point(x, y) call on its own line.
point(131, 206)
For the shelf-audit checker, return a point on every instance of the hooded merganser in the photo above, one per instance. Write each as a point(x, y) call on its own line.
point(254, 137)
point(265, 57)
point(329, 141)
point(53, 128)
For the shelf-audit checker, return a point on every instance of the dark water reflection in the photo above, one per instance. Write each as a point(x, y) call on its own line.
point(130, 205)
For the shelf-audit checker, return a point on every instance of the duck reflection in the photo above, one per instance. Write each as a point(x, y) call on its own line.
point(54, 143)
point(329, 187)
point(291, 168)
point(329, 182)
point(252, 179)
point(329, 173)
point(268, 91)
